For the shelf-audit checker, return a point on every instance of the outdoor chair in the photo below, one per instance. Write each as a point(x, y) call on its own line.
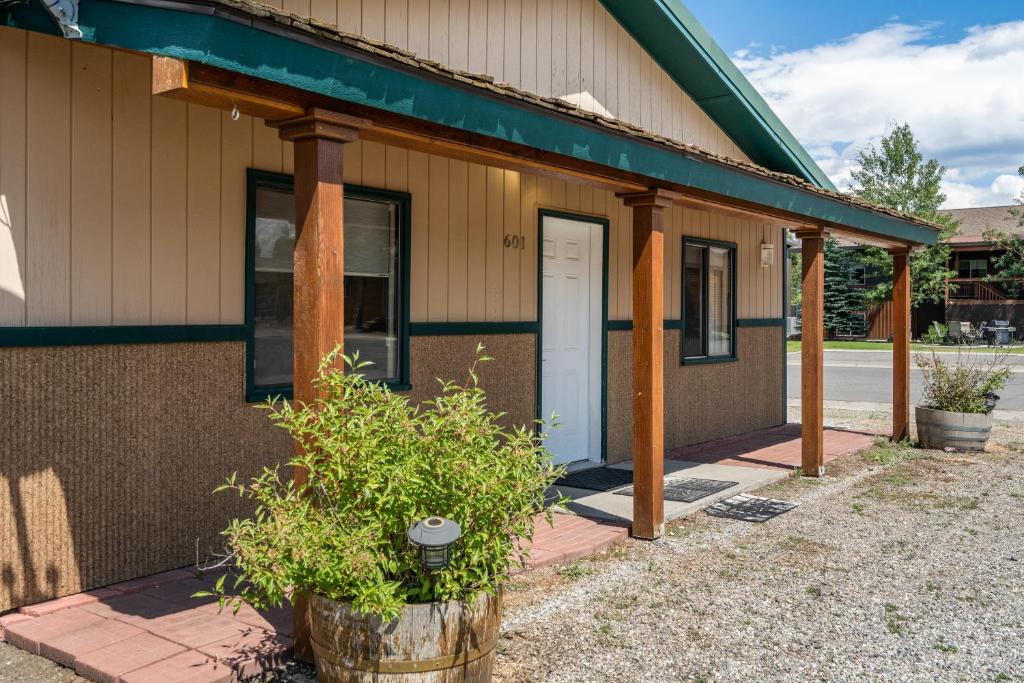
point(969, 333)
point(953, 331)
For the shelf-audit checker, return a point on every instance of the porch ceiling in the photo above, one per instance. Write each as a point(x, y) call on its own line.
point(273, 64)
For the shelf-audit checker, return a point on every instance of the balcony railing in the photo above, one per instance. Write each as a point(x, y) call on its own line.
point(982, 289)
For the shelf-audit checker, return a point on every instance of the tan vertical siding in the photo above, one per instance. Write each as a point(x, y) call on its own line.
point(48, 171)
point(131, 299)
point(559, 48)
point(168, 178)
point(157, 234)
point(91, 147)
point(13, 71)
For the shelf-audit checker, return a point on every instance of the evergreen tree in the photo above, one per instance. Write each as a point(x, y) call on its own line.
point(1009, 245)
point(844, 303)
point(897, 176)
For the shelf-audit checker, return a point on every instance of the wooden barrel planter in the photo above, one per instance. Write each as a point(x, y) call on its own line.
point(440, 642)
point(962, 431)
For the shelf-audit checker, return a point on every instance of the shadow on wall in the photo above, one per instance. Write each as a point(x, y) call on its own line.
point(110, 457)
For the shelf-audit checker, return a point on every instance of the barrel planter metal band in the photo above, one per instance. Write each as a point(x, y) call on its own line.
point(961, 431)
point(441, 642)
point(407, 666)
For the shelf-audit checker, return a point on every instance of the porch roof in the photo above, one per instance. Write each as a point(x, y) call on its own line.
point(303, 61)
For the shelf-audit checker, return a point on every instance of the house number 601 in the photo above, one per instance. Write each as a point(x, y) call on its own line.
point(515, 241)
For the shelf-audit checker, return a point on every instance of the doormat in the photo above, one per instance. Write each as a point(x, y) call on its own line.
point(596, 479)
point(747, 508)
point(688, 490)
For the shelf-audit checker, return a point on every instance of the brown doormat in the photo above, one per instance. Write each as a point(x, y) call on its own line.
point(688, 490)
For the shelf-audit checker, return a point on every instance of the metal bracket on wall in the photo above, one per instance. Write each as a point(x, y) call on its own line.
point(65, 13)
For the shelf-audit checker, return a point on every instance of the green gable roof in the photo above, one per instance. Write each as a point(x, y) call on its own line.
point(677, 41)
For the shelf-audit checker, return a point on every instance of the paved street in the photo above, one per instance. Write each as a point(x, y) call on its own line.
point(866, 376)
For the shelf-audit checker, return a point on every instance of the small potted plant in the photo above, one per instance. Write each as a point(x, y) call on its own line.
point(400, 537)
point(959, 398)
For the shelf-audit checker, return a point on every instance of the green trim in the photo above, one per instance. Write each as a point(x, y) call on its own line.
point(677, 42)
point(119, 334)
point(709, 360)
point(469, 328)
point(760, 322)
point(605, 234)
point(256, 179)
point(261, 50)
point(674, 324)
point(733, 268)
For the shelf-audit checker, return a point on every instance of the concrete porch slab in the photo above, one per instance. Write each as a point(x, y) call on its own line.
point(608, 506)
point(753, 459)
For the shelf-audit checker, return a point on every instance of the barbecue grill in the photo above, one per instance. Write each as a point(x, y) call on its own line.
point(999, 332)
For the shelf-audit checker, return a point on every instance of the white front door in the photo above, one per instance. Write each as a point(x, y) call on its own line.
point(571, 337)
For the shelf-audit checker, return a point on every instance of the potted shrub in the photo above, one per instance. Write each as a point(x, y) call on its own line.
point(958, 399)
point(383, 607)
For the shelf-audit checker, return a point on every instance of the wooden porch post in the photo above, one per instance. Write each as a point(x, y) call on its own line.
point(318, 313)
point(648, 361)
point(812, 352)
point(900, 343)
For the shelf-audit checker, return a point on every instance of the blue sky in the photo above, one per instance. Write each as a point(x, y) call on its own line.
point(797, 24)
point(839, 74)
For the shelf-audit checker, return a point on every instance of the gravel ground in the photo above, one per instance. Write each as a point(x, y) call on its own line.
point(901, 565)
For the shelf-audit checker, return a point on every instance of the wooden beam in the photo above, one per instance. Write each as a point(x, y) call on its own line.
point(318, 290)
point(171, 78)
point(900, 344)
point(812, 353)
point(225, 89)
point(648, 360)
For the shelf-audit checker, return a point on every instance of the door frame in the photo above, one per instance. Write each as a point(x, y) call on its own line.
point(604, 222)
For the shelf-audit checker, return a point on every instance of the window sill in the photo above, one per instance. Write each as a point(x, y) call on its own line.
point(261, 395)
point(709, 360)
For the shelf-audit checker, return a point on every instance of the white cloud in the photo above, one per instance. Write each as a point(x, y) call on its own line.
point(964, 101)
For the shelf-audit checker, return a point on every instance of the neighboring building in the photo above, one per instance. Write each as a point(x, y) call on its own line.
point(972, 296)
point(148, 289)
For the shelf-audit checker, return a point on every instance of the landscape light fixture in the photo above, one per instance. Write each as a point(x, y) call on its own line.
point(434, 536)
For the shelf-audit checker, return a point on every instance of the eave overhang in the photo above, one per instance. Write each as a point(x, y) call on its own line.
point(678, 42)
point(208, 33)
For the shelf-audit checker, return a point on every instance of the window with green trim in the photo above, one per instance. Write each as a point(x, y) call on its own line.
point(709, 300)
point(376, 277)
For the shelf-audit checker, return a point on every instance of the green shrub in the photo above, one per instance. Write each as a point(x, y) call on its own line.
point(375, 464)
point(965, 386)
point(933, 335)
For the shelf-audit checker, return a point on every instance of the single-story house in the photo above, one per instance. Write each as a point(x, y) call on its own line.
point(199, 199)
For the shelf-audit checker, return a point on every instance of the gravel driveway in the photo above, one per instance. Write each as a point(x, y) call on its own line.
point(902, 565)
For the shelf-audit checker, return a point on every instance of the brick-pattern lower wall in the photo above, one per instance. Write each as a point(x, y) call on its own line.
point(109, 454)
point(509, 379)
point(702, 402)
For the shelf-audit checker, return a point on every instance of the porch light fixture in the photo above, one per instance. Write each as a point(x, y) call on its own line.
point(434, 536)
point(767, 255)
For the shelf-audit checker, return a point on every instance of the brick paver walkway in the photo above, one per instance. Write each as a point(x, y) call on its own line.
point(778, 447)
point(151, 629)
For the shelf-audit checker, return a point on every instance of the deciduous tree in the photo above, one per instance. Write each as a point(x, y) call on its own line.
point(898, 177)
